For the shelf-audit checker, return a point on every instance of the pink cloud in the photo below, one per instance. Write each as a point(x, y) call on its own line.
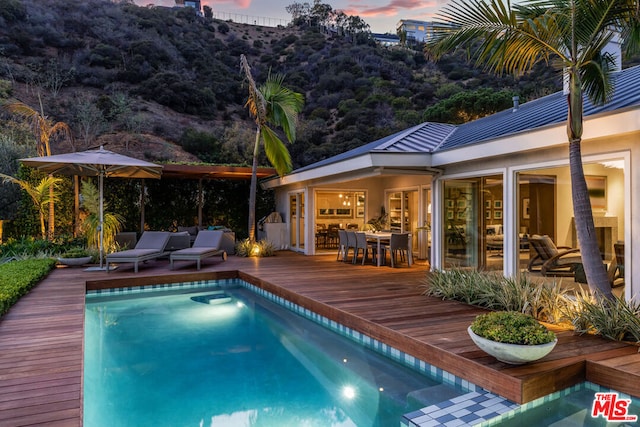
point(391, 9)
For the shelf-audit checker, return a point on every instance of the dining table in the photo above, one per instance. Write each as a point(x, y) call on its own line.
point(385, 236)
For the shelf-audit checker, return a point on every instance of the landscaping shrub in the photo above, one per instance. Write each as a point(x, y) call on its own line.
point(616, 319)
point(246, 249)
point(511, 327)
point(18, 277)
point(547, 301)
point(29, 247)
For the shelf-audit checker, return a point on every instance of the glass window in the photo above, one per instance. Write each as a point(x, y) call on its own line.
point(337, 210)
point(473, 223)
point(545, 207)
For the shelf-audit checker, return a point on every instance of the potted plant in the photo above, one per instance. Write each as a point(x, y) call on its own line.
point(512, 337)
point(75, 256)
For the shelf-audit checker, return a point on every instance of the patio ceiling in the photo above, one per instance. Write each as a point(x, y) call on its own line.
point(213, 172)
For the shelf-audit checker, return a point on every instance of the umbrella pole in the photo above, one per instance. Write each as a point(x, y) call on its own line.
point(101, 179)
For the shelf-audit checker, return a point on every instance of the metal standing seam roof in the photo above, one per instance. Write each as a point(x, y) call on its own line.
point(422, 138)
point(544, 111)
point(431, 137)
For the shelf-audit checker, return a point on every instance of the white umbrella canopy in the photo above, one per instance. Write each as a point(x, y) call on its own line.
point(101, 163)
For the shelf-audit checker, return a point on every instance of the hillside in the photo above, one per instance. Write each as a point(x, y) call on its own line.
point(165, 85)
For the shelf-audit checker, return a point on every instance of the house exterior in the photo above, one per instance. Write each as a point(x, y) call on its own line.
point(196, 4)
point(386, 39)
point(416, 31)
point(471, 195)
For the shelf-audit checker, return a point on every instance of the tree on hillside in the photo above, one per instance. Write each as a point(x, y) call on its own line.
point(467, 106)
point(271, 104)
point(570, 33)
point(43, 129)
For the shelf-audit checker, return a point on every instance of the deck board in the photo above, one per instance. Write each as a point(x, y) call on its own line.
point(41, 337)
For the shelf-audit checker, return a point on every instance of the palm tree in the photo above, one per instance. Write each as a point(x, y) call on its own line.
point(41, 194)
point(275, 105)
point(111, 222)
point(44, 130)
point(569, 33)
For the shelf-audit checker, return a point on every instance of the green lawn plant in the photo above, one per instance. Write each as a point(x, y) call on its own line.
point(18, 277)
point(511, 327)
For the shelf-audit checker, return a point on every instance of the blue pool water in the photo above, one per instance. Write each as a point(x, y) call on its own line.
point(230, 358)
point(573, 409)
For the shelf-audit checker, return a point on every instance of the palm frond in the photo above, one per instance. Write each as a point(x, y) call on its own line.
point(283, 105)
point(276, 151)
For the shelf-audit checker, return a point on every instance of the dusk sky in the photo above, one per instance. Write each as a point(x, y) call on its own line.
point(381, 15)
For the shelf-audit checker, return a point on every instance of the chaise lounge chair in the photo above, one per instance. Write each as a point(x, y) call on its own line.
point(207, 244)
point(553, 260)
point(151, 245)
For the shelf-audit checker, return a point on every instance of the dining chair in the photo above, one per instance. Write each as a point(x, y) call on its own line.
point(321, 235)
point(333, 238)
point(365, 245)
point(398, 245)
point(342, 245)
point(351, 244)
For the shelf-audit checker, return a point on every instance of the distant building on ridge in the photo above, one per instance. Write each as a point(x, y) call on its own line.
point(386, 39)
point(414, 31)
point(190, 3)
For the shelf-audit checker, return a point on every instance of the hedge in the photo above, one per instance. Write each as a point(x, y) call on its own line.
point(18, 277)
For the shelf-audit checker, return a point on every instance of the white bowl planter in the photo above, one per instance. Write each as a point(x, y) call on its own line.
point(515, 354)
point(74, 261)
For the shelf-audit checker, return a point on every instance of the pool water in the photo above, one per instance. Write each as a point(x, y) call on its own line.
point(228, 357)
point(573, 409)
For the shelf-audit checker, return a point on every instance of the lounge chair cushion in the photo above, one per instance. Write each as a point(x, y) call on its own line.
point(207, 244)
point(151, 245)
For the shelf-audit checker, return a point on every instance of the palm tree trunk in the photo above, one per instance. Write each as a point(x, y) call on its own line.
point(253, 189)
point(590, 252)
point(43, 230)
point(51, 213)
point(583, 215)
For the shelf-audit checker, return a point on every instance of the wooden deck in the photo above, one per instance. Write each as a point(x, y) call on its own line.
point(41, 338)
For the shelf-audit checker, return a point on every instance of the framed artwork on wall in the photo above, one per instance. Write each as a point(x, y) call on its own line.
point(526, 213)
point(597, 188)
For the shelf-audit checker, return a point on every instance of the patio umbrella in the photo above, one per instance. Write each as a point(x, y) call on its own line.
point(101, 163)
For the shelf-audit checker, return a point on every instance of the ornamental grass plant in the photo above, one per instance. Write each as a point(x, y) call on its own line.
point(261, 248)
point(546, 301)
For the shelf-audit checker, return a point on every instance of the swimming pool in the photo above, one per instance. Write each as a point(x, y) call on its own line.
point(571, 407)
point(224, 356)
